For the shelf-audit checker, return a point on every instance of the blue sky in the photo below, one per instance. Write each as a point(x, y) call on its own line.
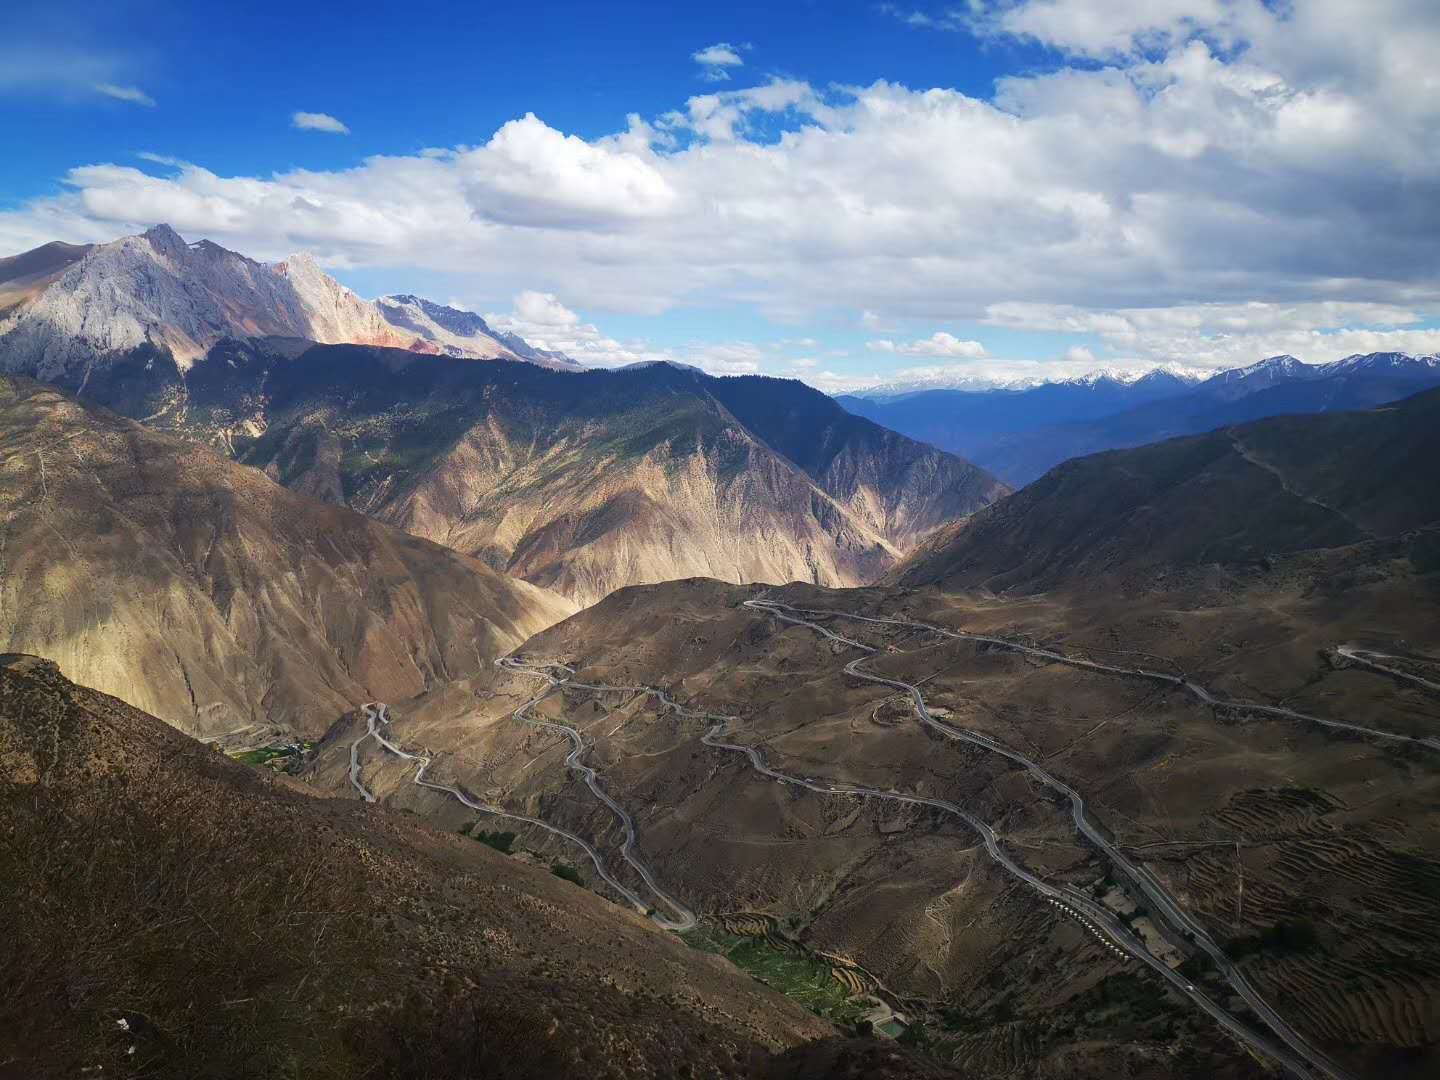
point(226, 77)
point(843, 192)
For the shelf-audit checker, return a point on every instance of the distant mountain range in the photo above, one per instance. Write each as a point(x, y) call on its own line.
point(911, 385)
point(1237, 495)
point(583, 481)
point(1020, 434)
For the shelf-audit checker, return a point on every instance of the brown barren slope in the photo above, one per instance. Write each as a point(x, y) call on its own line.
point(207, 594)
point(242, 929)
point(1310, 854)
point(1232, 496)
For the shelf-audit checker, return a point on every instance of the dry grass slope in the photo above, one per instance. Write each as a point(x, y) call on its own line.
point(244, 929)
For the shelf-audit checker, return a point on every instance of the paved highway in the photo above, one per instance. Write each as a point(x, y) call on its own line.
point(1371, 659)
point(1100, 917)
point(377, 713)
point(1304, 1059)
point(1177, 681)
point(686, 918)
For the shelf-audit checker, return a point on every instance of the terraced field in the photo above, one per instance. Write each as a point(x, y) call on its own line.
point(1335, 927)
point(755, 944)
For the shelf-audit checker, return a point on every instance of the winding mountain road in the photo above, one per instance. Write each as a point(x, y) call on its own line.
point(1303, 1059)
point(686, 919)
point(1371, 659)
point(1177, 681)
point(1296, 1054)
point(377, 713)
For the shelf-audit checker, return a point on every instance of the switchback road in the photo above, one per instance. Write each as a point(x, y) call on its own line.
point(377, 713)
point(1303, 1059)
point(1094, 916)
point(1191, 687)
point(686, 919)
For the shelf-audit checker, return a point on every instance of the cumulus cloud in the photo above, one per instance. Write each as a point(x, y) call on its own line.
point(318, 121)
point(1107, 28)
point(714, 60)
point(1198, 159)
point(1216, 336)
point(532, 175)
point(539, 309)
point(545, 322)
point(133, 94)
point(542, 320)
point(939, 343)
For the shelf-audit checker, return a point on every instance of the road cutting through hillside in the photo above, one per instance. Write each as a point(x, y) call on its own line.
point(1305, 1060)
point(1370, 658)
point(377, 713)
point(687, 919)
point(1093, 916)
point(1176, 681)
point(1297, 1055)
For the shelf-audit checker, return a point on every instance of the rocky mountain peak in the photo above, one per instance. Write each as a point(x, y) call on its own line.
point(71, 312)
point(165, 240)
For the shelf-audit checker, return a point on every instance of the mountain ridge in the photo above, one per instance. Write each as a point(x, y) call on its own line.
point(1019, 434)
point(246, 926)
point(1236, 495)
point(587, 481)
point(201, 591)
point(94, 307)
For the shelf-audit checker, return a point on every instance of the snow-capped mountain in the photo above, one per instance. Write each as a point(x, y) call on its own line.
point(1018, 434)
point(156, 291)
point(1105, 378)
point(1273, 370)
point(1165, 377)
point(1385, 363)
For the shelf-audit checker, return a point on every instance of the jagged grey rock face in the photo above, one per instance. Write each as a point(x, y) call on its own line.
point(463, 333)
point(336, 314)
point(148, 289)
point(450, 330)
point(156, 290)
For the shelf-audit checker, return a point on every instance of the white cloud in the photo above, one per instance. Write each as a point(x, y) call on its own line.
point(939, 343)
point(726, 358)
point(805, 363)
point(1079, 354)
point(831, 382)
point(529, 174)
point(1201, 159)
point(544, 309)
point(542, 320)
point(545, 322)
point(714, 60)
point(133, 94)
point(1109, 28)
point(318, 121)
point(1217, 336)
point(949, 18)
